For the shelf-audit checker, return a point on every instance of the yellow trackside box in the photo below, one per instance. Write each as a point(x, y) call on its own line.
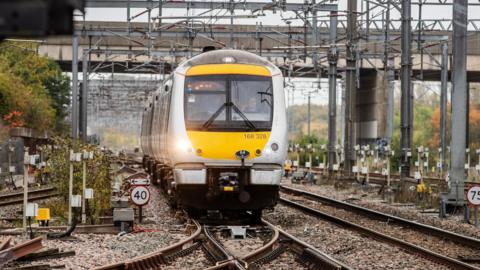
point(421, 188)
point(43, 214)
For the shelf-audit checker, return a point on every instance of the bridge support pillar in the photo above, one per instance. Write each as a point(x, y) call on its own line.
point(372, 107)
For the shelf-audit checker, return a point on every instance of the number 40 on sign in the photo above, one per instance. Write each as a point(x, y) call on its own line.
point(140, 195)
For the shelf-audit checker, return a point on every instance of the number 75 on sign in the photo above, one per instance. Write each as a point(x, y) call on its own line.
point(473, 195)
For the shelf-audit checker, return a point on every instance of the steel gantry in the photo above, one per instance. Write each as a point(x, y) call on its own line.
point(308, 44)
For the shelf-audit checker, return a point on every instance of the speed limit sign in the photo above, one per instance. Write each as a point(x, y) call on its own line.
point(473, 195)
point(140, 195)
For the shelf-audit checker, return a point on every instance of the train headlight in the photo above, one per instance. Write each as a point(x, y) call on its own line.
point(274, 147)
point(184, 145)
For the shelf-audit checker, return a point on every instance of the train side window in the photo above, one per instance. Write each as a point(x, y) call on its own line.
point(166, 88)
point(156, 97)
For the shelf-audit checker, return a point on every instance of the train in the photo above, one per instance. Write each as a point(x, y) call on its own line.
point(214, 133)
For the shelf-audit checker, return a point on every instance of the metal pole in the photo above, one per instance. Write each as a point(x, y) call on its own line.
point(459, 100)
point(332, 93)
point(389, 66)
point(388, 169)
point(84, 185)
point(443, 106)
point(351, 86)
point(25, 187)
point(231, 23)
point(406, 90)
point(332, 105)
point(390, 98)
point(419, 38)
point(84, 96)
point(476, 216)
point(70, 189)
point(342, 112)
point(149, 35)
point(74, 107)
point(160, 11)
point(314, 34)
point(367, 19)
point(129, 26)
point(10, 173)
point(308, 117)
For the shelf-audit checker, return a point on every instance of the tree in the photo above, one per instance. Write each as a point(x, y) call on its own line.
point(19, 106)
point(473, 128)
point(32, 85)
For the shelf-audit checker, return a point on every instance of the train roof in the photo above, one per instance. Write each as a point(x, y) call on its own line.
point(219, 56)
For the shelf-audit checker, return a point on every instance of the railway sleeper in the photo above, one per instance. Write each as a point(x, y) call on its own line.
point(213, 255)
point(272, 255)
point(315, 260)
point(182, 253)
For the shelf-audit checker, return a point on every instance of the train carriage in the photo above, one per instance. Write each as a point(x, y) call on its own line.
point(215, 133)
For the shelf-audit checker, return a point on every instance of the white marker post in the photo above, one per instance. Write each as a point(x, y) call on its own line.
point(86, 156)
point(473, 197)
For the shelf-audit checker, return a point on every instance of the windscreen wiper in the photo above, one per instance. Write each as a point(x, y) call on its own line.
point(245, 119)
point(214, 116)
point(266, 92)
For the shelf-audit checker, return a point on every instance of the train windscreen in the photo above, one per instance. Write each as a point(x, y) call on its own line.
point(228, 102)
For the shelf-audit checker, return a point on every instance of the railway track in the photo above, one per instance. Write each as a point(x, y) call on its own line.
point(8, 254)
point(33, 195)
point(220, 257)
point(435, 244)
point(381, 179)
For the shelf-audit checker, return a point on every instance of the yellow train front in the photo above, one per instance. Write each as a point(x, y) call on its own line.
point(214, 134)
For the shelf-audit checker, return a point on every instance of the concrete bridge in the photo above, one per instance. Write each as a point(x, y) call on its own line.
point(114, 49)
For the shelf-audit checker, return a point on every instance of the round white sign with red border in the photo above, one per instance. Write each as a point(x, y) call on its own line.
point(140, 195)
point(473, 195)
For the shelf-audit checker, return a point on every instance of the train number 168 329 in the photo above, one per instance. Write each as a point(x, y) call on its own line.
point(257, 136)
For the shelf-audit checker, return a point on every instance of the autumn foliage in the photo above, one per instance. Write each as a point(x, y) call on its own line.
point(33, 90)
point(473, 127)
point(14, 119)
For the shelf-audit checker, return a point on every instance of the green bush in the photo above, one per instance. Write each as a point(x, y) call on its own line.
point(98, 177)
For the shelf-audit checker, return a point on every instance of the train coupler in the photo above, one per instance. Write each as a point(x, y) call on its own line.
point(228, 182)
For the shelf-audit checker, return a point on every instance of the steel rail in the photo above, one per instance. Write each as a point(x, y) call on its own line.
point(156, 258)
point(225, 260)
point(17, 197)
point(20, 250)
point(5, 243)
point(433, 256)
point(265, 249)
point(275, 246)
point(454, 237)
point(322, 260)
point(20, 193)
point(80, 229)
point(379, 175)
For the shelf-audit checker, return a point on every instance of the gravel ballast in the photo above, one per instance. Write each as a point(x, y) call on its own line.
point(349, 247)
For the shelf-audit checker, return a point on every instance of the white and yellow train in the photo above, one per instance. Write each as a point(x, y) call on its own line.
point(214, 134)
